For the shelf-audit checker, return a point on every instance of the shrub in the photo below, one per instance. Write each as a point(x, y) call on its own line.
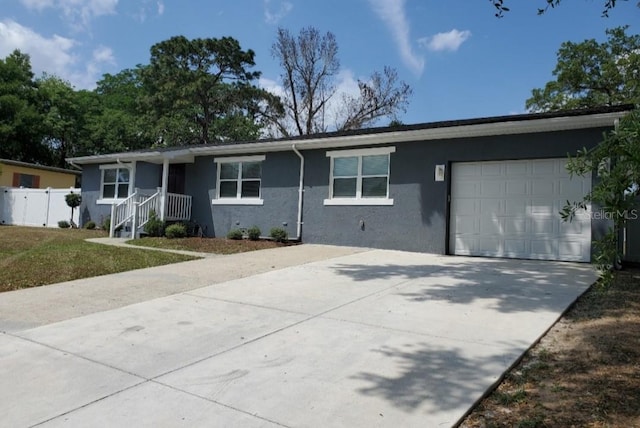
point(106, 224)
point(64, 224)
point(90, 225)
point(176, 230)
point(279, 234)
point(254, 233)
point(234, 234)
point(154, 226)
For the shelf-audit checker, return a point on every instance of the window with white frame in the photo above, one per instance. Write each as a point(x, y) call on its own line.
point(239, 180)
point(115, 181)
point(360, 177)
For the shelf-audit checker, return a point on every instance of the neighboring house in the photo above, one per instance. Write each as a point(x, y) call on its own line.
point(487, 187)
point(28, 175)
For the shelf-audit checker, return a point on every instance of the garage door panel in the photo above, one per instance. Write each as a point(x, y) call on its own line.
point(516, 169)
point(515, 226)
point(517, 210)
point(517, 188)
point(492, 188)
point(544, 167)
point(489, 169)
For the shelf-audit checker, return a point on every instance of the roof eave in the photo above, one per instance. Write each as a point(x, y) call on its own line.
point(507, 127)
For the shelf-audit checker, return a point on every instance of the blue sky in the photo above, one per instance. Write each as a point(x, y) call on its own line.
point(460, 60)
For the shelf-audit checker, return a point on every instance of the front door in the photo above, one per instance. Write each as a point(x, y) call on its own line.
point(176, 178)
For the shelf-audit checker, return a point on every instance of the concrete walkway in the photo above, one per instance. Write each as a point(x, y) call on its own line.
point(369, 338)
point(122, 242)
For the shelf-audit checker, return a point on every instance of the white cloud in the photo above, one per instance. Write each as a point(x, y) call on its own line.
point(392, 13)
point(78, 13)
point(54, 55)
point(160, 7)
point(449, 41)
point(273, 17)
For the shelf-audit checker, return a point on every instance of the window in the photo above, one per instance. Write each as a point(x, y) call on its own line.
point(26, 180)
point(239, 181)
point(360, 177)
point(115, 182)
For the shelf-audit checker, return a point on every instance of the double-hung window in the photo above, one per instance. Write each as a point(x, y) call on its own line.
point(239, 181)
point(360, 177)
point(115, 182)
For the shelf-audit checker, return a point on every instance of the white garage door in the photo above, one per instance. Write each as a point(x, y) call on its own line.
point(510, 209)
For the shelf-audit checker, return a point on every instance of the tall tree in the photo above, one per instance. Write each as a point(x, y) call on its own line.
point(119, 121)
point(310, 67)
point(201, 89)
point(590, 74)
point(20, 119)
point(60, 117)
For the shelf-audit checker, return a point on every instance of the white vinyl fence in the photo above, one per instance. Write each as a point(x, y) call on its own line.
point(36, 207)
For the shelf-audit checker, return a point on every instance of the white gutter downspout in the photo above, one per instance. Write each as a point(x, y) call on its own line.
point(300, 194)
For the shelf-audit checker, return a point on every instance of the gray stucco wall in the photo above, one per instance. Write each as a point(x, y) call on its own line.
point(418, 219)
point(280, 178)
point(147, 179)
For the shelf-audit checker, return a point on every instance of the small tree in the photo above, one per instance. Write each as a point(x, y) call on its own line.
point(73, 200)
point(617, 160)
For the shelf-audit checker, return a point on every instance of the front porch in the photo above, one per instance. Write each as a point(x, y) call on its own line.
point(135, 211)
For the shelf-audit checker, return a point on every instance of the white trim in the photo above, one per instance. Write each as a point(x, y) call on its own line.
point(361, 152)
point(131, 166)
point(360, 201)
point(506, 127)
point(237, 201)
point(258, 158)
point(107, 201)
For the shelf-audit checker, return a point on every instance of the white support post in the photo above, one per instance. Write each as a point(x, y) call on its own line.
point(134, 221)
point(112, 222)
point(163, 193)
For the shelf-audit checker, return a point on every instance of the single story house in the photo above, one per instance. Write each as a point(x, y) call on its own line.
point(32, 176)
point(488, 186)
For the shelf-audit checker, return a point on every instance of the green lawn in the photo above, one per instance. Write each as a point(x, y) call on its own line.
point(31, 256)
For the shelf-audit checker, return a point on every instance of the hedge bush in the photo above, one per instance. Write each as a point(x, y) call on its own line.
point(254, 233)
point(64, 224)
point(90, 225)
point(278, 234)
point(234, 234)
point(176, 230)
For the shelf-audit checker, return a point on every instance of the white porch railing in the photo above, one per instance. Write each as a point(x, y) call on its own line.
point(123, 212)
point(178, 207)
point(137, 208)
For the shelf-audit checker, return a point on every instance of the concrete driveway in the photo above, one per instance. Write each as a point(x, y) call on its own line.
point(372, 338)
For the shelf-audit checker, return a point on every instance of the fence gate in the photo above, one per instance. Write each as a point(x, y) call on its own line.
point(35, 207)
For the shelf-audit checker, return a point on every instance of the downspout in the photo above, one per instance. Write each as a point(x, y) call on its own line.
point(300, 194)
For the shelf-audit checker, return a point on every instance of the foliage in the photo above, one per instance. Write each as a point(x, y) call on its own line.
point(278, 234)
point(21, 136)
point(592, 74)
point(202, 91)
point(617, 160)
point(154, 226)
point(234, 234)
point(64, 224)
point(176, 230)
point(106, 224)
point(90, 225)
point(254, 233)
point(73, 200)
point(310, 66)
point(501, 8)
